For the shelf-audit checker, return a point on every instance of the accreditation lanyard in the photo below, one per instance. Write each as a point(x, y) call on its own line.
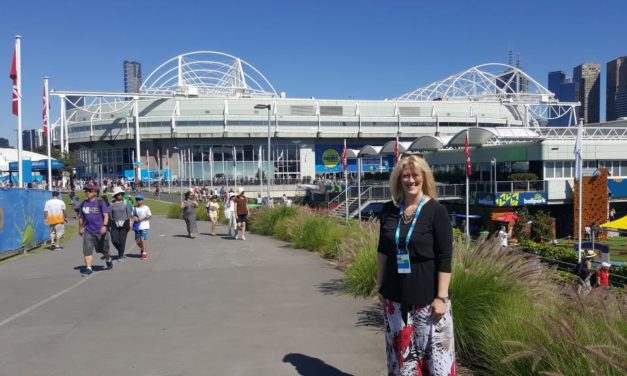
point(402, 255)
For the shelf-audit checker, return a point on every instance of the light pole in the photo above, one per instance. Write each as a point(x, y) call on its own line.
point(269, 108)
point(493, 162)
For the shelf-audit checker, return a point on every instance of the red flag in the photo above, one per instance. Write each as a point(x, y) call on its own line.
point(147, 160)
point(45, 112)
point(345, 158)
point(467, 153)
point(13, 76)
point(397, 154)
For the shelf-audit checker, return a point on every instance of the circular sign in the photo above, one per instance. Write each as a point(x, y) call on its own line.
point(330, 158)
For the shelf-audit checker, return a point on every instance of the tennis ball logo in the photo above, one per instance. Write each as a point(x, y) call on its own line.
point(330, 158)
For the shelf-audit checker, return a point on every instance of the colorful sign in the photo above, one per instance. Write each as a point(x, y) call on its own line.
point(21, 218)
point(508, 199)
point(617, 187)
point(329, 160)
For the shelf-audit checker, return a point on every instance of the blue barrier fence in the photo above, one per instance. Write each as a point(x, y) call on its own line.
point(22, 218)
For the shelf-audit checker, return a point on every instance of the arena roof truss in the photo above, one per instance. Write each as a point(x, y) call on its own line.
point(502, 83)
point(208, 74)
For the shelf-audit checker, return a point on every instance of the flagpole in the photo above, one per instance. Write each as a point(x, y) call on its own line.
point(580, 173)
point(211, 166)
point(167, 153)
point(202, 167)
point(191, 166)
point(18, 66)
point(148, 168)
point(467, 154)
point(344, 156)
point(359, 188)
point(47, 131)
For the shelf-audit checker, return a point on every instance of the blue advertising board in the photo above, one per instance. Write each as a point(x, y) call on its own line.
point(508, 199)
point(21, 218)
point(617, 187)
point(329, 160)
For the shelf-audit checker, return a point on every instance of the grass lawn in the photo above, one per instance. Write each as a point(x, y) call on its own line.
point(158, 207)
point(618, 247)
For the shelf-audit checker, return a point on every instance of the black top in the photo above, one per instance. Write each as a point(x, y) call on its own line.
point(430, 251)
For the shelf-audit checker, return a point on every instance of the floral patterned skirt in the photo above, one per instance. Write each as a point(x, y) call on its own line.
point(417, 346)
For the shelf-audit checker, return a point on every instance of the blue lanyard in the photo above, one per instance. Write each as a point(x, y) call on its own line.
point(413, 223)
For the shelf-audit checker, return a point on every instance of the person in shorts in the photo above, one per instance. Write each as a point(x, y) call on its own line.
point(55, 217)
point(93, 223)
point(141, 225)
point(241, 209)
point(212, 211)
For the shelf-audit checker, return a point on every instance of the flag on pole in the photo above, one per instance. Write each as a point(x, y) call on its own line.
point(158, 158)
point(44, 114)
point(147, 160)
point(133, 158)
point(14, 74)
point(397, 154)
point(259, 161)
point(345, 158)
point(234, 156)
point(467, 153)
point(578, 158)
point(167, 157)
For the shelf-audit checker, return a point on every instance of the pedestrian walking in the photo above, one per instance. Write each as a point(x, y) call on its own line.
point(92, 226)
point(212, 209)
point(189, 205)
point(241, 208)
point(121, 214)
point(603, 275)
point(76, 204)
point(141, 225)
point(231, 215)
point(413, 274)
point(56, 217)
point(503, 237)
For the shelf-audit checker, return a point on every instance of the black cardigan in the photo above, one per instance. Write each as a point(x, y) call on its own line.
point(430, 252)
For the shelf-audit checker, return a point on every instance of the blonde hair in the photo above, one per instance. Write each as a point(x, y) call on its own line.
point(428, 182)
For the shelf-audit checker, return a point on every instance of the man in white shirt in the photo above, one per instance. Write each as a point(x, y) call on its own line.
point(56, 217)
point(503, 236)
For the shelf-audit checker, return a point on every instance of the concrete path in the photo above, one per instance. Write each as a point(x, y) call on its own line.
point(204, 306)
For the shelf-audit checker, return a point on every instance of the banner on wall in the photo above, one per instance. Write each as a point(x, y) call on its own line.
point(617, 188)
point(22, 225)
point(329, 160)
point(507, 199)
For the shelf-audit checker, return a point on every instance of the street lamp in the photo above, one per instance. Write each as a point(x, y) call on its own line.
point(269, 108)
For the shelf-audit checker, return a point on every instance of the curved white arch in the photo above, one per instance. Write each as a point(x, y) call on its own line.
point(207, 74)
point(424, 143)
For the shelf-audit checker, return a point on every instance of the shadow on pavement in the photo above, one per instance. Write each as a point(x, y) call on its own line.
point(308, 366)
point(332, 287)
point(371, 316)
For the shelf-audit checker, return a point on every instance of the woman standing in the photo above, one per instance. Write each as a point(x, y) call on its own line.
point(120, 221)
point(229, 207)
point(212, 211)
point(413, 274)
point(189, 206)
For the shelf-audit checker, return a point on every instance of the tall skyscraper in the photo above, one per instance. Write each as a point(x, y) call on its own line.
point(32, 139)
point(4, 143)
point(588, 91)
point(564, 89)
point(132, 76)
point(616, 89)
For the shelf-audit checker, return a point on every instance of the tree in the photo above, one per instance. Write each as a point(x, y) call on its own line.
point(542, 227)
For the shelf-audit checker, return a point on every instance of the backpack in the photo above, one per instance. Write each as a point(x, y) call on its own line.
point(578, 268)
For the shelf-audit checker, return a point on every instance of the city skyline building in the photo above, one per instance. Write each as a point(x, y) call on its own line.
point(4, 143)
point(587, 79)
point(132, 76)
point(616, 89)
point(564, 89)
point(32, 139)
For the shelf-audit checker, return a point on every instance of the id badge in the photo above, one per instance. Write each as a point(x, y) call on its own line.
point(402, 262)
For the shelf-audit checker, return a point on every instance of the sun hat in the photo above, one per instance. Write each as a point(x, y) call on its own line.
point(139, 196)
point(590, 254)
point(605, 264)
point(117, 191)
point(240, 190)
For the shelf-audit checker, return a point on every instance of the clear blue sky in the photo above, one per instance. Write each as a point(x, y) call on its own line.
point(326, 49)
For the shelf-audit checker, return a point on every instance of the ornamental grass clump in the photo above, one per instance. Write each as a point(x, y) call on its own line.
point(263, 221)
point(320, 234)
point(359, 259)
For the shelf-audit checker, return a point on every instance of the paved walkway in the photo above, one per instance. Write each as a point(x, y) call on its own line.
point(204, 306)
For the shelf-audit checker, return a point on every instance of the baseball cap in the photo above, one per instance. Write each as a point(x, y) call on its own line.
point(89, 187)
point(139, 197)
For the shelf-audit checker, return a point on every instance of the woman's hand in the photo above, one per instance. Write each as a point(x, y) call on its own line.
point(438, 309)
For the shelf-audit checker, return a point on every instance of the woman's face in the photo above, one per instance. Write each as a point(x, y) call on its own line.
point(411, 180)
point(119, 197)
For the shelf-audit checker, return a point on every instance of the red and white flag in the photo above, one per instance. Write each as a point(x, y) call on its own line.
point(44, 114)
point(345, 158)
point(467, 154)
point(397, 154)
point(14, 75)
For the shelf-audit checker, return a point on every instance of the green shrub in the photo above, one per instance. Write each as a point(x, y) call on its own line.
point(175, 211)
point(542, 227)
point(359, 252)
point(283, 229)
point(523, 176)
point(319, 234)
point(263, 220)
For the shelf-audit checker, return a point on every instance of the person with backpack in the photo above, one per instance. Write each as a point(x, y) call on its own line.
point(92, 226)
point(584, 271)
point(120, 221)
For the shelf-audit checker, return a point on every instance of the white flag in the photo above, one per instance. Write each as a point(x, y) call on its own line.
point(578, 158)
point(259, 162)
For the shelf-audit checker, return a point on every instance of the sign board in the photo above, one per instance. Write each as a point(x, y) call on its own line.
point(508, 199)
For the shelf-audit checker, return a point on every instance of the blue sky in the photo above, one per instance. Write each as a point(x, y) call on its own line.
point(326, 49)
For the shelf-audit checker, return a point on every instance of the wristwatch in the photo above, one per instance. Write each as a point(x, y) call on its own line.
point(442, 299)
